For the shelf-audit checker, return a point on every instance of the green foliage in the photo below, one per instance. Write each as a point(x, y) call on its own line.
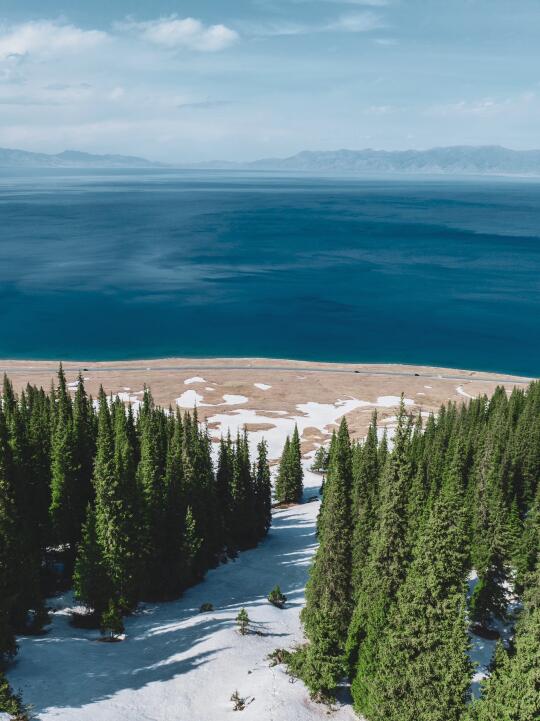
point(10, 702)
point(328, 593)
point(91, 583)
point(111, 625)
point(277, 598)
point(242, 621)
point(289, 482)
point(320, 460)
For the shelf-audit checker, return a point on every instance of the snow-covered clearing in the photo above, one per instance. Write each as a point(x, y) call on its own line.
point(177, 664)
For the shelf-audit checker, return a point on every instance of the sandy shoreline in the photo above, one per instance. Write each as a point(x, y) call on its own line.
point(271, 395)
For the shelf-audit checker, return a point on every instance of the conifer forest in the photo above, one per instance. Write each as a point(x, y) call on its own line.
point(425, 540)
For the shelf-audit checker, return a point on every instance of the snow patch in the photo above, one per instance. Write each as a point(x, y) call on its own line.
point(262, 386)
point(195, 379)
point(190, 399)
point(232, 400)
point(463, 392)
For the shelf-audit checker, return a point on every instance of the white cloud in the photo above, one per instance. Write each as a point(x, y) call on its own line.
point(175, 32)
point(46, 37)
point(357, 23)
point(485, 107)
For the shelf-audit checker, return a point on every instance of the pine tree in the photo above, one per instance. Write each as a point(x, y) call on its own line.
point(297, 473)
point(423, 672)
point(365, 492)
point(282, 490)
point(328, 593)
point(91, 584)
point(191, 546)
point(174, 580)
point(116, 521)
point(65, 520)
point(385, 569)
point(263, 490)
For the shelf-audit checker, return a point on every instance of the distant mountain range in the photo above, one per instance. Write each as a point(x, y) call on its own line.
point(70, 159)
point(453, 160)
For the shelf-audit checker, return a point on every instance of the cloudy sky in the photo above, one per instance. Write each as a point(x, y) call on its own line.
point(240, 79)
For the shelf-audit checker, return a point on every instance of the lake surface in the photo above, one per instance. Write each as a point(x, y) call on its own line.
point(118, 265)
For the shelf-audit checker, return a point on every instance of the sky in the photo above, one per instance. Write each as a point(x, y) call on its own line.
point(199, 80)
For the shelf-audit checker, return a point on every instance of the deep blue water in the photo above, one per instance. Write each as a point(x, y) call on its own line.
point(131, 265)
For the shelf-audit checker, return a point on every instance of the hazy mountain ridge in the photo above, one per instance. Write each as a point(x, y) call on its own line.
point(13, 158)
point(455, 160)
point(451, 160)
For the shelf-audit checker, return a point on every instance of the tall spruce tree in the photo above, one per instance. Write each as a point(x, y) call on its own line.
point(423, 672)
point(328, 592)
point(385, 569)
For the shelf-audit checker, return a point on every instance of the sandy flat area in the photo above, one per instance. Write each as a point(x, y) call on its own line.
point(268, 394)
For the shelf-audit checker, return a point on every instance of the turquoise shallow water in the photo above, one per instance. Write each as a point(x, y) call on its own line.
point(117, 265)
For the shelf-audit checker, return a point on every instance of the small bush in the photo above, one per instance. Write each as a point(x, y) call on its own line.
point(11, 702)
point(206, 607)
point(239, 703)
point(279, 656)
point(243, 622)
point(277, 598)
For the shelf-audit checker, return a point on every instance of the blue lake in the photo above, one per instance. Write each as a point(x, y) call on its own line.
point(118, 265)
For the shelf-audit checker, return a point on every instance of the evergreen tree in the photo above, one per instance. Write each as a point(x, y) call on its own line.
point(91, 583)
point(116, 522)
point(423, 671)
point(65, 520)
point(283, 491)
point(328, 593)
point(385, 569)
point(297, 473)
point(263, 490)
point(365, 467)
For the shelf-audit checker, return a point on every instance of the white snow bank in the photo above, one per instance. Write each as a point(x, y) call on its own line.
point(190, 399)
point(232, 400)
point(195, 379)
point(262, 386)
